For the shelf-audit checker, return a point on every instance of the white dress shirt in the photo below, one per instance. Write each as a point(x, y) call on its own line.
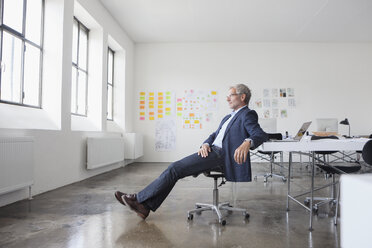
point(218, 140)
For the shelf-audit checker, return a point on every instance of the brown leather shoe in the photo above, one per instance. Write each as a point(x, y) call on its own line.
point(119, 196)
point(131, 201)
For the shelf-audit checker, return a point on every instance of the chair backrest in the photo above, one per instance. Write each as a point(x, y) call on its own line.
point(314, 137)
point(275, 136)
point(367, 152)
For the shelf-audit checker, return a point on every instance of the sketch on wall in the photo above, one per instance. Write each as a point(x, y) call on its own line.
point(165, 135)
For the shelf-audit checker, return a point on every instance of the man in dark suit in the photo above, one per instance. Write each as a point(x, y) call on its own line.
point(227, 148)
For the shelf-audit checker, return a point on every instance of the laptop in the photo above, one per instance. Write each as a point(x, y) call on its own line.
point(299, 134)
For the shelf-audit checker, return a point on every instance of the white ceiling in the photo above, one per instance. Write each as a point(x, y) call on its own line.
point(244, 20)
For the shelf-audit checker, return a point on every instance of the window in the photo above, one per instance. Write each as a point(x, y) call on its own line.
point(79, 87)
point(110, 83)
point(21, 31)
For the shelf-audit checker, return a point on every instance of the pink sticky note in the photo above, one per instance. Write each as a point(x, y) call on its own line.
point(142, 118)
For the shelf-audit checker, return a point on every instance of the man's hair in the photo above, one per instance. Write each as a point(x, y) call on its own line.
point(243, 89)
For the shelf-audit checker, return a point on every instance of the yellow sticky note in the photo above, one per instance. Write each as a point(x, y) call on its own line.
point(187, 121)
point(142, 113)
point(151, 98)
point(142, 93)
point(142, 107)
point(214, 92)
point(167, 113)
point(160, 116)
point(196, 121)
point(151, 106)
point(151, 93)
point(167, 109)
point(160, 102)
point(160, 93)
point(160, 106)
point(152, 118)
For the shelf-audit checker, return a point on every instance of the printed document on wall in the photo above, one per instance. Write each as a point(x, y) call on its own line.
point(165, 135)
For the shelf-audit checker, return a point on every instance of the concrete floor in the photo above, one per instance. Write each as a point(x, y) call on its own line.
point(86, 214)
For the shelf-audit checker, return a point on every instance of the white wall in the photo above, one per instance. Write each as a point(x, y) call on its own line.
point(60, 153)
point(330, 80)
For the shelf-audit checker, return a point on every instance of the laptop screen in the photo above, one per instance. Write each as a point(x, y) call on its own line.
point(302, 131)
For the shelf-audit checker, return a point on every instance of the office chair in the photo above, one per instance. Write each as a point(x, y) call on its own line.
point(216, 206)
point(332, 170)
point(271, 154)
point(359, 153)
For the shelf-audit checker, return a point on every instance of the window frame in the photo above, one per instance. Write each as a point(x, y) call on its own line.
point(109, 50)
point(24, 40)
point(76, 66)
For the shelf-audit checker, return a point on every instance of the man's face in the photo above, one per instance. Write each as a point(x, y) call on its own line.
point(235, 101)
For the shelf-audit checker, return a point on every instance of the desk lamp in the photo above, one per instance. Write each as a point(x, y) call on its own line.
point(346, 122)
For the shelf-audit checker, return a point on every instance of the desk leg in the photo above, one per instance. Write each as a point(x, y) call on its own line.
point(312, 191)
point(289, 178)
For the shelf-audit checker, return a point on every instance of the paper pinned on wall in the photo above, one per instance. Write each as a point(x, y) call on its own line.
point(258, 103)
point(283, 113)
point(274, 92)
point(266, 103)
point(165, 135)
point(291, 103)
point(290, 92)
point(283, 92)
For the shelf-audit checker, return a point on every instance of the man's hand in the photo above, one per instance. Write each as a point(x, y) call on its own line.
point(204, 150)
point(241, 153)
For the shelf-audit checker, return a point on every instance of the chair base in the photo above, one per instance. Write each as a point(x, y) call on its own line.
point(216, 206)
point(201, 207)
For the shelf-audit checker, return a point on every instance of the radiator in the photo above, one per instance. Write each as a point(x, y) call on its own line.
point(104, 151)
point(16, 163)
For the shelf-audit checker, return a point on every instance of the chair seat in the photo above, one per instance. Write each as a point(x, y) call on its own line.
point(268, 153)
point(216, 172)
point(347, 168)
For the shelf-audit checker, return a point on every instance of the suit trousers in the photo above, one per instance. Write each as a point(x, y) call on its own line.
point(155, 193)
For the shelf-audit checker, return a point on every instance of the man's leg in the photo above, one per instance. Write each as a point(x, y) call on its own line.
point(155, 193)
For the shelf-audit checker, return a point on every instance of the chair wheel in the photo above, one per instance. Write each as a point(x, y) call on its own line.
point(190, 216)
point(284, 179)
point(255, 178)
point(247, 216)
point(307, 202)
point(223, 222)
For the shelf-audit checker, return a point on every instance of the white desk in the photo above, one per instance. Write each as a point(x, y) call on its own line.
point(307, 145)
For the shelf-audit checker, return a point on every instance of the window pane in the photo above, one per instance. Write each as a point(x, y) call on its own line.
point(83, 45)
point(11, 68)
point(33, 20)
point(73, 90)
point(31, 76)
point(13, 14)
point(74, 42)
point(109, 102)
point(110, 66)
point(82, 92)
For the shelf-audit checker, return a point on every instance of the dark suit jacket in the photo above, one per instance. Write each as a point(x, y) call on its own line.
point(243, 125)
